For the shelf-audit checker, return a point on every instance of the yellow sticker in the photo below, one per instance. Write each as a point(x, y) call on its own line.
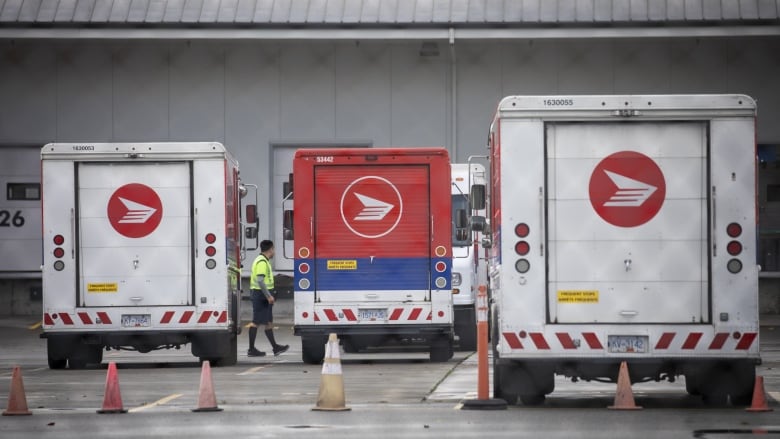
point(103, 288)
point(578, 296)
point(342, 264)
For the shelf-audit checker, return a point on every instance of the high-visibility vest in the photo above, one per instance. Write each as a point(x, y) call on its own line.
point(261, 267)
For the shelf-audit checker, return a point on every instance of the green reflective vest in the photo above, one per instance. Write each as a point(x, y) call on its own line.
point(261, 267)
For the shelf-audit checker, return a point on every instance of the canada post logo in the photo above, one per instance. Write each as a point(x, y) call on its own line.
point(135, 210)
point(371, 206)
point(627, 189)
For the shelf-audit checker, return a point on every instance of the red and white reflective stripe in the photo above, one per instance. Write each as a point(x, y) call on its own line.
point(349, 315)
point(84, 318)
point(687, 342)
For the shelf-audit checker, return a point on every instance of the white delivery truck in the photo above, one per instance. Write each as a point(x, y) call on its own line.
point(469, 268)
point(624, 229)
point(142, 249)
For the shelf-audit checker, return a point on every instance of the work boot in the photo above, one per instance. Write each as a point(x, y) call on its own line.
point(280, 349)
point(255, 353)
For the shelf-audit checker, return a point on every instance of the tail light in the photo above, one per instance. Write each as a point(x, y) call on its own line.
point(211, 250)
point(734, 247)
point(522, 247)
point(59, 252)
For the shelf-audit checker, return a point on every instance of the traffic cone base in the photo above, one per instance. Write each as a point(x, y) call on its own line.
point(331, 395)
point(207, 399)
point(759, 403)
point(112, 401)
point(624, 397)
point(17, 401)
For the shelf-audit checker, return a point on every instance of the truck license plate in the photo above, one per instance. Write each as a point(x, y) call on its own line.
point(136, 320)
point(627, 344)
point(373, 314)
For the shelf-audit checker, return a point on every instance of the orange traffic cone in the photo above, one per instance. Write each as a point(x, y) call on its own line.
point(17, 402)
point(624, 398)
point(112, 401)
point(331, 396)
point(759, 397)
point(207, 399)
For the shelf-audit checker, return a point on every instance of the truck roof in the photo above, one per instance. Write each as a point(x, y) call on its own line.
point(360, 152)
point(140, 149)
point(609, 106)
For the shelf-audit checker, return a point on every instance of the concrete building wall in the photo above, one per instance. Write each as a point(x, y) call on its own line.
point(252, 95)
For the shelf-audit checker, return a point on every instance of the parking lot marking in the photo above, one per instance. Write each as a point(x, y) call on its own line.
point(156, 403)
point(774, 395)
point(252, 370)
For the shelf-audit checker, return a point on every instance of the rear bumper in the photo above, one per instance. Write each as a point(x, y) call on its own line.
point(404, 330)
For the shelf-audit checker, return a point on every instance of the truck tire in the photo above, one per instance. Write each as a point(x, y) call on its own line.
point(57, 363)
point(232, 357)
point(441, 349)
point(57, 358)
point(312, 349)
point(500, 384)
point(744, 378)
point(85, 355)
point(468, 337)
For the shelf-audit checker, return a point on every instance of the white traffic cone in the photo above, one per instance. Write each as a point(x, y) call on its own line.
point(331, 396)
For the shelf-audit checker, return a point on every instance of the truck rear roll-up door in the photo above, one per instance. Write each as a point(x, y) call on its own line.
point(372, 229)
point(627, 222)
point(134, 226)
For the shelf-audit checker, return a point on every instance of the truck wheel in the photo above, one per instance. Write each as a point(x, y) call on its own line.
point(692, 384)
point(441, 349)
point(84, 355)
point(715, 388)
point(500, 390)
point(57, 363)
point(532, 399)
point(232, 357)
point(313, 349)
point(744, 378)
point(468, 337)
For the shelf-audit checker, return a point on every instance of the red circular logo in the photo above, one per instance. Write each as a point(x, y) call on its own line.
point(627, 189)
point(371, 206)
point(135, 210)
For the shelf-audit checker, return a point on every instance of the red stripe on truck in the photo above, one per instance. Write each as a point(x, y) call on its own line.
point(665, 340)
point(692, 340)
point(592, 340)
point(85, 319)
point(719, 340)
point(746, 341)
point(539, 341)
point(512, 340)
point(104, 318)
point(565, 340)
point(166, 318)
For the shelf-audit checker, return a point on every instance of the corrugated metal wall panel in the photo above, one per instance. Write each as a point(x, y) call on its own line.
point(386, 11)
point(693, 10)
point(192, 10)
point(280, 11)
point(584, 10)
point(621, 10)
point(459, 10)
point(748, 9)
point(656, 11)
point(712, 10)
point(494, 11)
point(66, 10)
point(209, 12)
point(334, 11)
point(639, 10)
point(567, 10)
point(120, 11)
point(405, 12)
point(370, 11)
point(83, 12)
point(423, 12)
point(602, 10)
point(138, 10)
point(14, 10)
point(513, 11)
point(46, 12)
point(245, 11)
point(352, 11)
point(548, 11)
point(675, 10)
point(767, 9)
point(316, 11)
point(263, 11)
point(531, 11)
point(173, 11)
point(227, 11)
